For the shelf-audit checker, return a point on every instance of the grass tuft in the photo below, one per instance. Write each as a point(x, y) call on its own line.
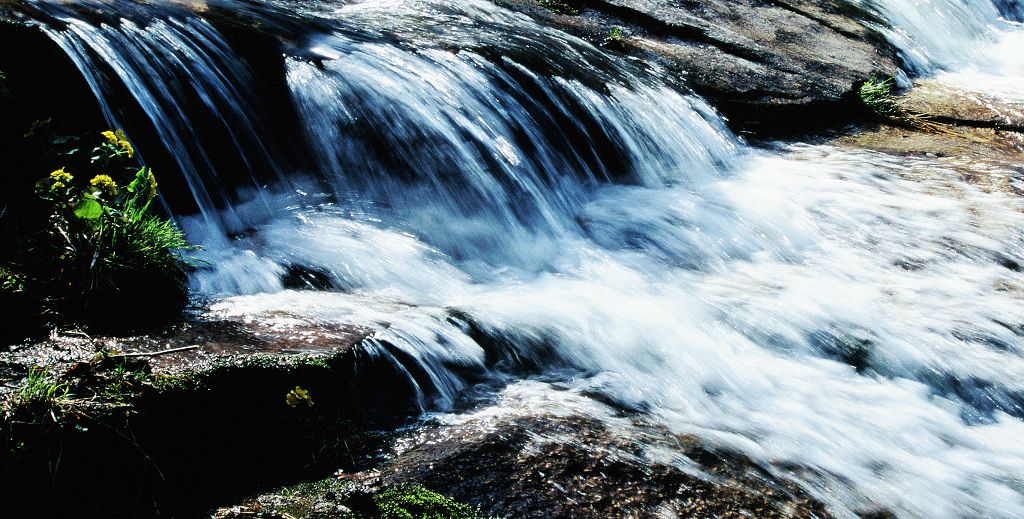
point(879, 95)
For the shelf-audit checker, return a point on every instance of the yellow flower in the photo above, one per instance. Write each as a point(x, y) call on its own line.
point(110, 136)
point(60, 176)
point(104, 183)
point(117, 139)
point(152, 184)
point(298, 396)
point(127, 147)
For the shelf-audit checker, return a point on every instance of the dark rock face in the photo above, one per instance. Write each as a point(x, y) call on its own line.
point(771, 66)
point(181, 419)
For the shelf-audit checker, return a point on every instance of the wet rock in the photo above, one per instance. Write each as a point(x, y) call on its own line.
point(576, 466)
point(990, 158)
point(772, 67)
point(949, 104)
point(977, 135)
point(299, 277)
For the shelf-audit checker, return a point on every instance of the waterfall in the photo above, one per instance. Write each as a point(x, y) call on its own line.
point(954, 35)
point(164, 61)
point(497, 197)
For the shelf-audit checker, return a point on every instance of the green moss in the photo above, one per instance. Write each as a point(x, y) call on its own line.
point(419, 503)
point(178, 383)
point(561, 7)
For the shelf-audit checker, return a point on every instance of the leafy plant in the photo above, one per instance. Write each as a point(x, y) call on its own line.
point(11, 282)
point(108, 246)
point(616, 38)
point(297, 397)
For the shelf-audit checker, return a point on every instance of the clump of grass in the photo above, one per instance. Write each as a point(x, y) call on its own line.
point(42, 394)
point(879, 95)
point(616, 38)
point(123, 381)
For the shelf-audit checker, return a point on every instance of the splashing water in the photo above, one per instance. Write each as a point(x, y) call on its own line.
point(497, 197)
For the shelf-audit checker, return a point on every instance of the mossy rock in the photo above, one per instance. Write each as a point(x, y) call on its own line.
point(416, 502)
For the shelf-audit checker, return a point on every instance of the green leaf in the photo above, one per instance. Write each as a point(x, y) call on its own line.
point(88, 209)
point(64, 139)
point(141, 180)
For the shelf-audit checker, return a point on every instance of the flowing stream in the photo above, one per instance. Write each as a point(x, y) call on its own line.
point(500, 198)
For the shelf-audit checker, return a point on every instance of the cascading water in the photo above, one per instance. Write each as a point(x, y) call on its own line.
point(975, 44)
point(496, 196)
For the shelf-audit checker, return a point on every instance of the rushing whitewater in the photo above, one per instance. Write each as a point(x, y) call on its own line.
point(503, 199)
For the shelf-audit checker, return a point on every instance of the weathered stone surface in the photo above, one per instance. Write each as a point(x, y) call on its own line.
point(944, 102)
point(196, 346)
point(769, 65)
point(977, 135)
point(577, 466)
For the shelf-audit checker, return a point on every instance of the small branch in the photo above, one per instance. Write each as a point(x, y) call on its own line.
point(155, 353)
